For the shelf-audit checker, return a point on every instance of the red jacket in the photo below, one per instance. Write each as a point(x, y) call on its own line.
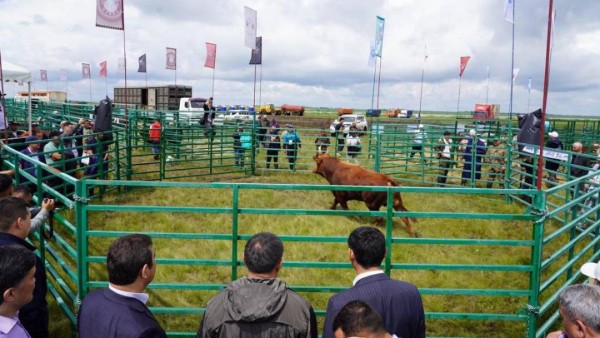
point(155, 131)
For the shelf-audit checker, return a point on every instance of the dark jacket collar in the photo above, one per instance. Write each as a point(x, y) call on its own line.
point(7, 238)
point(127, 301)
point(374, 278)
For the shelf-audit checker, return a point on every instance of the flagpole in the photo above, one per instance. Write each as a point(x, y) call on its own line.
point(459, 85)
point(422, 78)
point(379, 80)
point(67, 85)
point(3, 103)
point(374, 78)
point(125, 65)
point(213, 85)
point(545, 98)
point(260, 86)
point(106, 84)
point(487, 91)
point(90, 85)
point(512, 69)
point(254, 97)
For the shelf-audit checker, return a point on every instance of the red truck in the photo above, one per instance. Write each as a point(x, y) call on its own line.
point(486, 111)
point(288, 109)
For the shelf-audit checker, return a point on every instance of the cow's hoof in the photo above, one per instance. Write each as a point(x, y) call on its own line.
point(416, 234)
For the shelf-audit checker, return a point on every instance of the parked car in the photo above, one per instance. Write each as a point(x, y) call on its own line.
point(361, 123)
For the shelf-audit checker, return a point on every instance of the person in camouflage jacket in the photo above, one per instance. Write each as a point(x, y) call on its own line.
point(497, 160)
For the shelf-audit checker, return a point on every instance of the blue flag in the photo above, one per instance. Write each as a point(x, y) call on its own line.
point(379, 35)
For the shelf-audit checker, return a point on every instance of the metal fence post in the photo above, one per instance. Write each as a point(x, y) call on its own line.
point(377, 149)
point(389, 224)
point(234, 232)
point(539, 205)
point(81, 236)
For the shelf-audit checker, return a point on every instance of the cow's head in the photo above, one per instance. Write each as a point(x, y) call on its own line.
point(319, 160)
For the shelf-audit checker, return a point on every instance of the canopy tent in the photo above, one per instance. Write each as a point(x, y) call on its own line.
point(11, 72)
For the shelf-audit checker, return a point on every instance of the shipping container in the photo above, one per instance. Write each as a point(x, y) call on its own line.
point(155, 98)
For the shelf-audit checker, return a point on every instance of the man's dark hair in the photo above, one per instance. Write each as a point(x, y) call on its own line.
point(368, 244)
point(5, 183)
point(15, 263)
point(357, 318)
point(54, 133)
point(446, 133)
point(263, 252)
point(11, 210)
point(126, 256)
point(22, 189)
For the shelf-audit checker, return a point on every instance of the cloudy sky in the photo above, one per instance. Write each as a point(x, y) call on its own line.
point(315, 52)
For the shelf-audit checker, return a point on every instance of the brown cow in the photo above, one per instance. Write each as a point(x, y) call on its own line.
point(338, 172)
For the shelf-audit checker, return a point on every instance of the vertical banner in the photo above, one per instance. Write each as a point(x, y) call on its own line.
point(121, 67)
point(43, 75)
point(63, 75)
point(171, 58)
point(379, 36)
point(371, 62)
point(211, 55)
point(515, 73)
point(509, 10)
point(142, 64)
point(463, 64)
point(250, 24)
point(256, 56)
point(85, 71)
point(109, 14)
point(103, 71)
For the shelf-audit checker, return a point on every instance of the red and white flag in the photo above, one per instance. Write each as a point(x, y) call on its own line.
point(85, 70)
point(463, 64)
point(43, 75)
point(103, 69)
point(171, 58)
point(109, 14)
point(211, 55)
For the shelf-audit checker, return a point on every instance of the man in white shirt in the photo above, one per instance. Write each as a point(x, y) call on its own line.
point(420, 136)
point(444, 153)
point(399, 303)
point(120, 310)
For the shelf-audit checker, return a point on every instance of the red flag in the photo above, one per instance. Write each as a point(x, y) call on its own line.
point(171, 58)
point(44, 75)
point(463, 64)
point(103, 69)
point(211, 55)
point(109, 14)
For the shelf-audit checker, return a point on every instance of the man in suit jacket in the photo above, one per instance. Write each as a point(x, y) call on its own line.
point(399, 303)
point(120, 311)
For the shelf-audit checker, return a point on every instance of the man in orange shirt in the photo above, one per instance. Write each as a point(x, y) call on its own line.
point(155, 129)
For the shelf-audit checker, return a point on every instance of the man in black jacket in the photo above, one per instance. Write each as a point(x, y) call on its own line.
point(260, 305)
point(399, 303)
point(553, 165)
point(580, 165)
point(15, 224)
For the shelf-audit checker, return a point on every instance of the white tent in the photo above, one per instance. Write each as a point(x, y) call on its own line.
point(15, 73)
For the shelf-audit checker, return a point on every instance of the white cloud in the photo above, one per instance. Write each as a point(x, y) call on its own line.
point(315, 51)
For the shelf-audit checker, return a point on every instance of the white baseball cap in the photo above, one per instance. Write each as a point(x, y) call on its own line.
point(472, 132)
point(421, 126)
point(591, 270)
point(553, 134)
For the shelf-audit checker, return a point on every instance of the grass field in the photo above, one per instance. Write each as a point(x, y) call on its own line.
point(324, 252)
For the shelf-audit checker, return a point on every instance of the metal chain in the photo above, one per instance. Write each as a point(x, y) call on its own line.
point(79, 199)
point(539, 212)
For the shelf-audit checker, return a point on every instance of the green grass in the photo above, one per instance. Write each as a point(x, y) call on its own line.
point(322, 252)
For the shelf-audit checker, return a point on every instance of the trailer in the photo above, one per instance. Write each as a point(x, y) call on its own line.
point(43, 96)
point(154, 98)
point(486, 111)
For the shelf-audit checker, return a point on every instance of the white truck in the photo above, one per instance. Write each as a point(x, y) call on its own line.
point(361, 123)
point(191, 108)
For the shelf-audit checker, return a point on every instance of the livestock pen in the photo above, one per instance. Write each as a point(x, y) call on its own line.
point(486, 264)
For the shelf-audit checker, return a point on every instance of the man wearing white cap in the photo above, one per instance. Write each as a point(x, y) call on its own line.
point(592, 270)
point(420, 135)
point(553, 165)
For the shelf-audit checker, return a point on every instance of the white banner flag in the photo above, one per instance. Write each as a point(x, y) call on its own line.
point(515, 73)
point(63, 75)
point(121, 69)
point(509, 11)
point(109, 14)
point(250, 24)
point(372, 60)
point(2, 125)
point(171, 58)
